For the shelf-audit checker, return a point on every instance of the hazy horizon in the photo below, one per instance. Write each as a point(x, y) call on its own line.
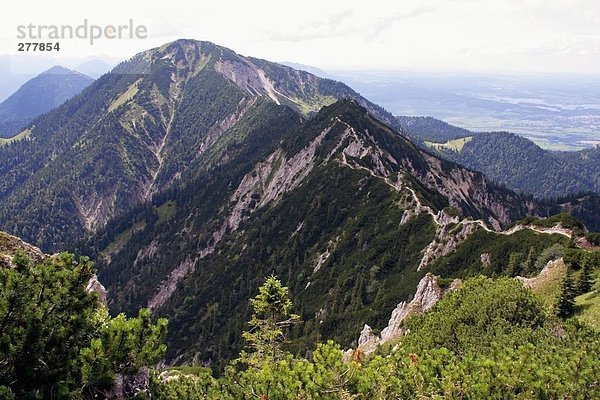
point(537, 36)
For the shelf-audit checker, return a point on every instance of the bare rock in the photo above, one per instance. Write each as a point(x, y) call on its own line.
point(128, 386)
point(427, 295)
point(10, 245)
point(94, 285)
point(368, 341)
point(486, 259)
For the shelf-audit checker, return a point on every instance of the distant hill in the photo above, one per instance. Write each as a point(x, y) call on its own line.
point(94, 68)
point(431, 129)
point(308, 68)
point(510, 159)
point(39, 95)
point(16, 70)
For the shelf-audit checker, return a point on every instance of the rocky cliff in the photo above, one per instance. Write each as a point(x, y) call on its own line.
point(428, 293)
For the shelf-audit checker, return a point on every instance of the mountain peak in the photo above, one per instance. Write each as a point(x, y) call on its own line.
point(182, 48)
point(39, 95)
point(58, 70)
point(346, 107)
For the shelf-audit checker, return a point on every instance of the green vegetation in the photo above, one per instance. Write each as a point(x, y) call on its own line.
point(548, 287)
point(510, 159)
point(20, 136)
point(313, 105)
point(520, 164)
point(512, 255)
point(584, 207)
point(588, 308)
point(585, 281)
point(68, 156)
point(122, 238)
point(57, 340)
point(272, 316)
point(587, 304)
point(563, 219)
point(126, 96)
point(488, 339)
point(566, 301)
point(454, 145)
point(593, 238)
point(429, 129)
point(583, 267)
point(166, 211)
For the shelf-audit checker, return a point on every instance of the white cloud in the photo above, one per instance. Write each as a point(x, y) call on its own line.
point(518, 35)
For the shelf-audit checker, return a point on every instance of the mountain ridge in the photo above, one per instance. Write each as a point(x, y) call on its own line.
point(134, 125)
point(189, 169)
point(510, 159)
point(298, 210)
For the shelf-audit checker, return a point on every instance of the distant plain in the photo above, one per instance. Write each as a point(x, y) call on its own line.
point(556, 112)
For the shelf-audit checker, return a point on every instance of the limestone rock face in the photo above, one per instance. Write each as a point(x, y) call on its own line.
point(94, 285)
point(427, 295)
point(368, 341)
point(553, 268)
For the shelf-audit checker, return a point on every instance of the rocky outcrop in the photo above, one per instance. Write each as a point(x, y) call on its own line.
point(168, 286)
point(147, 252)
point(131, 386)
point(94, 285)
point(486, 259)
point(274, 177)
point(428, 293)
point(10, 245)
point(93, 211)
point(247, 77)
point(449, 234)
point(551, 270)
point(469, 190)
point(321, 260)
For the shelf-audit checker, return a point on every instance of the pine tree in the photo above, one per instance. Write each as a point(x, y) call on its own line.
point(528, 266)
point(271, 318)
point(586, 281)
point(514, 264)
point(58, 341)
point(566, 302)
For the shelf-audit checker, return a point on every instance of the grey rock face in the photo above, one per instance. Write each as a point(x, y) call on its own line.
point(94, 285)
point(129, 386)
point(428, 294)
